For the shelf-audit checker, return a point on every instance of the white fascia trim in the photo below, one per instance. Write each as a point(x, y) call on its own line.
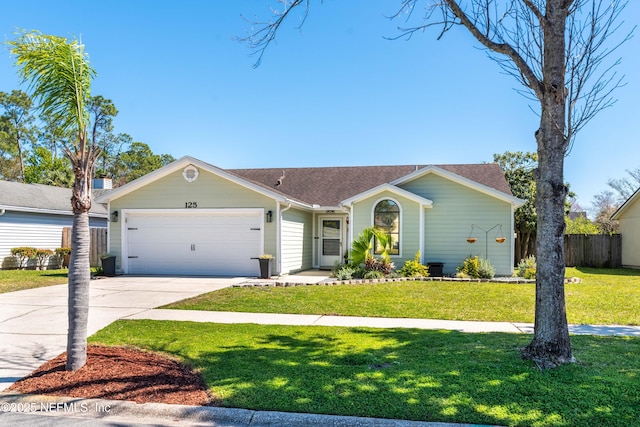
point(616, 215)
point(516, 202)
point(177, 165)
point(391, 188)
point(48, 211)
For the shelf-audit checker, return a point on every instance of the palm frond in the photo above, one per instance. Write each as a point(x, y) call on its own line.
point(59, 76)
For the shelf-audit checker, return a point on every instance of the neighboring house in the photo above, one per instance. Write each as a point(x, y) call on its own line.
point(192, 218)
point(35, 214)
point(628, 215)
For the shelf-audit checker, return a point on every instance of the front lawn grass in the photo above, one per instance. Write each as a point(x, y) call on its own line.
point(410, 374)
point(17, 280)
point(605, 296)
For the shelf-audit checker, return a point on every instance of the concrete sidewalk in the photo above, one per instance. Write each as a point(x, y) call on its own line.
point(373, 322)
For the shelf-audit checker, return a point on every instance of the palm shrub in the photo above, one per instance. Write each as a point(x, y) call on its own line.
point(381, 264)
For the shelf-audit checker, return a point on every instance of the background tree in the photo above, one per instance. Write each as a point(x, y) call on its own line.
point(18, 129)
point(627, 185)
point(581, 225)
point(42, 167)
point(518, 168)
point(59, 77)
point(554, 49)
point(605, 205)
point(138, 161)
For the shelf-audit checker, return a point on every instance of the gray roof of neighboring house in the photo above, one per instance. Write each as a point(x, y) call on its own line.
point(328, 186)
point(46, 198)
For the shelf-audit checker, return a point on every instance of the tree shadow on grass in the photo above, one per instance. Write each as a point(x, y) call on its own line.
point(410, 374)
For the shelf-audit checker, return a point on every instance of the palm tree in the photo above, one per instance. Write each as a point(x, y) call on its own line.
point(59, 76)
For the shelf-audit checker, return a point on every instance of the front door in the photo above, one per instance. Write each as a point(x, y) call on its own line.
point(330, 234)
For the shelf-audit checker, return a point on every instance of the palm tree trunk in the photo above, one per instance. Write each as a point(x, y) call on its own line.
point(79, 279)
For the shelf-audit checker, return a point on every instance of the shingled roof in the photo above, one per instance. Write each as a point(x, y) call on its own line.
point(38, 197)
point(328, 186)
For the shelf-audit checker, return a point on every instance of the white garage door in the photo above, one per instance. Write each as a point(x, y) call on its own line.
point(204, 242)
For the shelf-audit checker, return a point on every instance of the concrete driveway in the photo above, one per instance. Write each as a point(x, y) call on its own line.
point(33, 322)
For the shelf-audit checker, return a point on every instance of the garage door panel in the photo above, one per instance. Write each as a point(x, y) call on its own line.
point(211, 243)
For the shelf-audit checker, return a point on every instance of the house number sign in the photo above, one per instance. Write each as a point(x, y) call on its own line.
point(190, 205)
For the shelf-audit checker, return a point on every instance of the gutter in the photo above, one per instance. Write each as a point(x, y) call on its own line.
point(47, 211)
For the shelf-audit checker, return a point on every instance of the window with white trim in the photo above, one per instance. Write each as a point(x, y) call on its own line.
point(386, 216)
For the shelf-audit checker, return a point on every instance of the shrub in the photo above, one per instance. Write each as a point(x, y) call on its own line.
point(381, 264)
point(469, 267)
point(413, 268)
point(476, 268)
point(24, 254)
point(42, 257)
point(373, 274)
point(527, 268)
point(344, 272)
point(485, 269)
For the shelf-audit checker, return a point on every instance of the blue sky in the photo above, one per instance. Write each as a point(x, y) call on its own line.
point(334, 93)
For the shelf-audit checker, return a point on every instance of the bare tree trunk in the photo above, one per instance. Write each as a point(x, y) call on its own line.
point(79, 272)
point(551, 345)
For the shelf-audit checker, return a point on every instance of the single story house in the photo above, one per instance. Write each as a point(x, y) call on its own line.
point(628, 215)
point(193, 218)
point(35, 214)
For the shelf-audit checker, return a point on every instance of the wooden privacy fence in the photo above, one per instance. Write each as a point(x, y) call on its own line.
point(98, 241)
point(593, 250)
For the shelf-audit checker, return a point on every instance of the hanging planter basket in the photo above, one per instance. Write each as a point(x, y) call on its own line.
point(501, 239)
point(472, 239)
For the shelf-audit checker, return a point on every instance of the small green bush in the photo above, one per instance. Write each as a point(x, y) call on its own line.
point(476, 268)
point(373, 274)
point(485, 269)
point(413, 268)
point(344, 272)
point(527, 268)
point(469, 267)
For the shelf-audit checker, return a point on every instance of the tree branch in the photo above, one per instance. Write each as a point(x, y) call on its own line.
point(260, 39)
point(530, 79)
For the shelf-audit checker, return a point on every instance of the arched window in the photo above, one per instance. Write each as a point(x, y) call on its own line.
point(386, 216)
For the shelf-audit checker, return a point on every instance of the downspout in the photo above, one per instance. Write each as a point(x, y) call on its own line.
point(279, 236)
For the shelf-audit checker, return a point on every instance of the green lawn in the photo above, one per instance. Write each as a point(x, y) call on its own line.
point(410, 374)
point(16, 280)
point(606, 296)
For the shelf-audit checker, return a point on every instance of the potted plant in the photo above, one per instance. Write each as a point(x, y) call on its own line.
point(265, 265)
point(108, 264)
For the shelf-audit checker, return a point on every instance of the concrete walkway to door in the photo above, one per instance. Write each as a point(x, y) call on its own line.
point(33, 322)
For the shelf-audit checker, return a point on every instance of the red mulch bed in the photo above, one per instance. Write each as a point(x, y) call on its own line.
point(119, 373)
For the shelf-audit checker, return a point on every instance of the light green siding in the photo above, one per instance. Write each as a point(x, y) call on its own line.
point(208, 191)
point(448, 224)
point(297, 241)
point(630, 230)
point(409, 223)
